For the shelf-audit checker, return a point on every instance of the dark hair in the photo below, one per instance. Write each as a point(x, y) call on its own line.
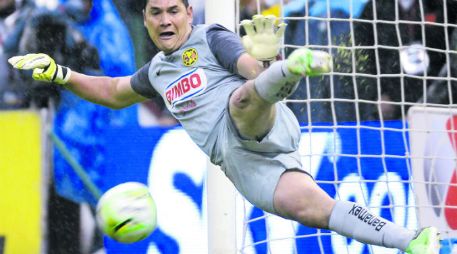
point(185, 2)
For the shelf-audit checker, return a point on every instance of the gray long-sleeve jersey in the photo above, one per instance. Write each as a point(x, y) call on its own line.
point(195, 81)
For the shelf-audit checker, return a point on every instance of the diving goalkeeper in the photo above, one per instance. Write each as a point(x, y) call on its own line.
point(232, 109)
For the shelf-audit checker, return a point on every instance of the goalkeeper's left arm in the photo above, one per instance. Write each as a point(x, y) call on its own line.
point(107, 91)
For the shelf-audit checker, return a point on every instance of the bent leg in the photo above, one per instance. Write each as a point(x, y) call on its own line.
point(251, 106)
point(299, 198)
point(252, 116)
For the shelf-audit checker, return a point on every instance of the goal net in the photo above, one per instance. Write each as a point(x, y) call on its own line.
point(380, 129)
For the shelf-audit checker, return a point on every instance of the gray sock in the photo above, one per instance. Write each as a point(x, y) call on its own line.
point(354, 221)
point(276, 83)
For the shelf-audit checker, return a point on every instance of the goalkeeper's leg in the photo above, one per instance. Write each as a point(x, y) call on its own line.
point(281, 78)
point(251, 106)
point(298, 197)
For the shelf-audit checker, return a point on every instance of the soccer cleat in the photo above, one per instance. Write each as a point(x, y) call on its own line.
point(427, 241)
point(306, 62)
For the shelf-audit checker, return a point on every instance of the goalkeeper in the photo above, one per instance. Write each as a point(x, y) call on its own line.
point(232, 109)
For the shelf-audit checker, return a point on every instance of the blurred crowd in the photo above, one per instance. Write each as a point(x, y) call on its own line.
point(78, 34)
point(384, 68)
point(395, 54)
point(97, 37)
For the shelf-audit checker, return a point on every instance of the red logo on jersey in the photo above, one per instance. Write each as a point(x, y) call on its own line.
point(188, 85)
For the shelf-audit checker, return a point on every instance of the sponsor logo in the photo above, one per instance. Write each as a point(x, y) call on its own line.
point(368, 218)
point(185, 87)
point(186, 106)
point(189, 57)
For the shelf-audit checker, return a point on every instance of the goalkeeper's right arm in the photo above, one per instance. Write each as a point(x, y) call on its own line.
point(111, 92)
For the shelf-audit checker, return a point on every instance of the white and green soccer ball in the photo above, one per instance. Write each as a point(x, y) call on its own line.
point(127, 212)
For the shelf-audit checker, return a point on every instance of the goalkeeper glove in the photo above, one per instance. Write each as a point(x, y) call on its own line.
point(306, 62)
point(261, 40)
point(44, 68)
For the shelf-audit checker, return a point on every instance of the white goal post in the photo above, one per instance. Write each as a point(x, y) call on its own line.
point(221, 194)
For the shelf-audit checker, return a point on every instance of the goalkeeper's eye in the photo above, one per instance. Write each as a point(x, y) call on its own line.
point(173, 10)
point(155, 11)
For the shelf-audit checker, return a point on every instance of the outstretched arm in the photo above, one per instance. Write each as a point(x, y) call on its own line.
point(111, 92)
point(107, 91)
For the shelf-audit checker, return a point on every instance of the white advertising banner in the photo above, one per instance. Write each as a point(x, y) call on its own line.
point(433, 142)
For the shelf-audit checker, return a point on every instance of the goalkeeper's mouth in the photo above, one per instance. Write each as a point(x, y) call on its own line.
point(166, 35)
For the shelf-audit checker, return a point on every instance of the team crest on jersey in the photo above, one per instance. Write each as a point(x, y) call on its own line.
point(189, 57)
point(186, 87)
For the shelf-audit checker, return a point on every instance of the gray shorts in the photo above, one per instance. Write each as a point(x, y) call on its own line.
point(255, 167)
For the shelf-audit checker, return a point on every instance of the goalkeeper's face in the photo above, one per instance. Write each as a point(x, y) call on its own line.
point(168, 23)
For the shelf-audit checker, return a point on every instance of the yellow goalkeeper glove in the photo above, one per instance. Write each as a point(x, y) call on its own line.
point(263, 38)
point(306, 62)
point(43, 66)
